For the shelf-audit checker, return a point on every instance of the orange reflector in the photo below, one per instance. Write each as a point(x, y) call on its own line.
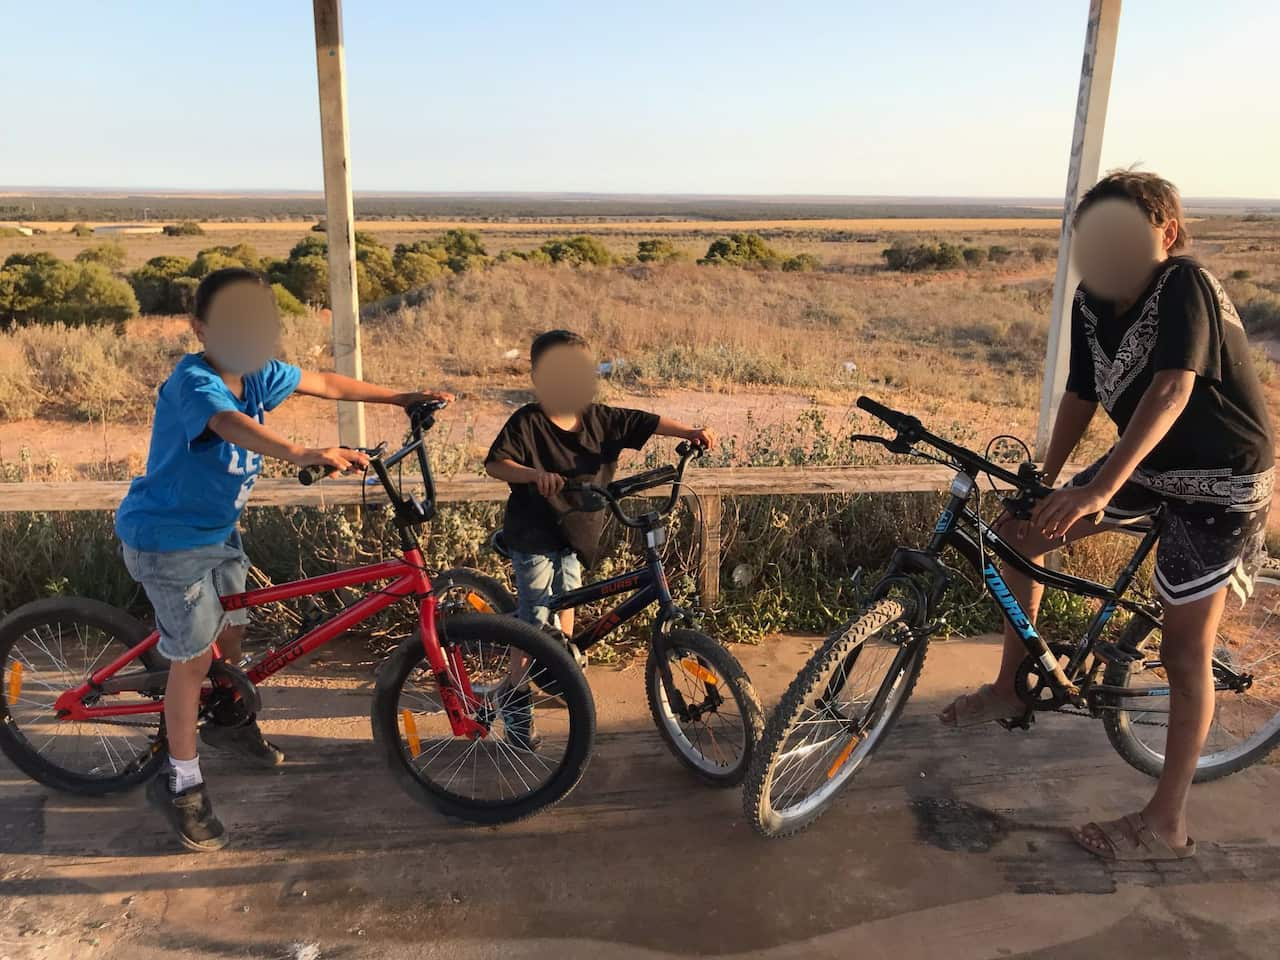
point(411, 733)
point(15, 682)
point(696, 670)
point(478, 603)
point(844, 755)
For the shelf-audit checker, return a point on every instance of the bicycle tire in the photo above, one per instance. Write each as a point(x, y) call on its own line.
point(841, 649)
point(122, 631)
point(471, 631)
point(1120, 723)
point(489, 590)
point(710, 655)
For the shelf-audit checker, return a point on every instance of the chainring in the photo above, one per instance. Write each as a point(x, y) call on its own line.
point(1033, 682)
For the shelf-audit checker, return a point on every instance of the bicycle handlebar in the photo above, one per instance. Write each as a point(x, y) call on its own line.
point(637, 483)
point(911, 431)
point(421, 419)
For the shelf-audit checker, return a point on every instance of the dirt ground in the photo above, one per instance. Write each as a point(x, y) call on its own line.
point(948, 845)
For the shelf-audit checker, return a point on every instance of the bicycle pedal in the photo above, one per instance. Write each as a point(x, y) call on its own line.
point(579, 657)
point(1114, 653)
point(1023, 722)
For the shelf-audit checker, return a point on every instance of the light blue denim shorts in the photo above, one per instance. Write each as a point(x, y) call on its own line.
point(541, 576)
point(185, 587)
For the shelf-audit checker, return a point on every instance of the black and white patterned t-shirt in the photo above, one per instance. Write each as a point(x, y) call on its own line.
point(1220, 450)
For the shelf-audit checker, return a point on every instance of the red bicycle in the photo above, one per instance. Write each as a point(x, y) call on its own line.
point(81, 705)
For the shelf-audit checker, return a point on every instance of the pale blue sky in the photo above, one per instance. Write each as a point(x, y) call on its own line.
point(832, 97)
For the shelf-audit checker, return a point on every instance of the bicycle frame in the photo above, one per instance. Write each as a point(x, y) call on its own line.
point(960, 526)
point(649, 584)
point(408, 580)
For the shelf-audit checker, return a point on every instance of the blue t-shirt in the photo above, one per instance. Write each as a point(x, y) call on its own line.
point(196, 483)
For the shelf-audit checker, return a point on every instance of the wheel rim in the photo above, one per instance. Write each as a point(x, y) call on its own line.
point(832, 733)
point(1249, 642)
point(715, 742)
point(497, 769)
point(51, 658)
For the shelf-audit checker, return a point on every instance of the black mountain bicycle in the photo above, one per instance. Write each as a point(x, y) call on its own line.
point(844, 702)
point(701, 699)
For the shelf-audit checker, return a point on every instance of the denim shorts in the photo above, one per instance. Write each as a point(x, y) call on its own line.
point(541, 576)
point(185, 587)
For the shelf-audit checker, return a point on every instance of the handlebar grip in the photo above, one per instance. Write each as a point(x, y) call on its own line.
point(309, 475)
point(878, 410)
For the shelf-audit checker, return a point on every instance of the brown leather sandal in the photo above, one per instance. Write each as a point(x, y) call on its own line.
point(984, 706)
point(1129, 839)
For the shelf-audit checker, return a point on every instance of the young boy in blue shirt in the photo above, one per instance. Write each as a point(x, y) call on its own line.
point(178, 522)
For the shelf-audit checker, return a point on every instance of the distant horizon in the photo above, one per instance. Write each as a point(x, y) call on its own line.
point(71, 191)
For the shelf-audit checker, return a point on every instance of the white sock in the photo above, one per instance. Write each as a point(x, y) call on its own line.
point(184, 774)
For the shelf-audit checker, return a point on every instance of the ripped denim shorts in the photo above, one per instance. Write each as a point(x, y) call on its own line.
point(185, 587)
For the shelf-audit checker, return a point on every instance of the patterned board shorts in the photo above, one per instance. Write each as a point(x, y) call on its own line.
point(185, 587)
point(1210, 538)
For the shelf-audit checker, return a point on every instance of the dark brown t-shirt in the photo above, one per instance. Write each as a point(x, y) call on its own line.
point(1220, 449)
point(589, 455)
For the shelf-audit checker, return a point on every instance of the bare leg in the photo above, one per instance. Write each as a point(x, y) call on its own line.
point(231, 643)
point(1186, 650)
point(1034, 545)
point(182, 703)
point(566, 623)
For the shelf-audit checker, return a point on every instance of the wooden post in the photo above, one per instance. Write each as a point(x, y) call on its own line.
point(709, 550)
point(339, 210)
point(1082, 173)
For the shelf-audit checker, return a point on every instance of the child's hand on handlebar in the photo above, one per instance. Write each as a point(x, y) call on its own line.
point(336, 459)
point(703, 436)
point(422, 396)
point(548, 484)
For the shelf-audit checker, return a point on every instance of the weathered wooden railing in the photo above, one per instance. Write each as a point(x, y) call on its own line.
point(713, 485)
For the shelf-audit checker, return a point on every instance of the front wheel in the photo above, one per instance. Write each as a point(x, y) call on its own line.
point(534, 748)
point(716, 731)
point(1246, 722)
point(833, 717)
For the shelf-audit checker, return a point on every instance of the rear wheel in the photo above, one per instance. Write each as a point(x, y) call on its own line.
point(50, 646)
point(1246, 723)
point(460, 590)
point(507, 773)
point(722, 720)
point(832, 718)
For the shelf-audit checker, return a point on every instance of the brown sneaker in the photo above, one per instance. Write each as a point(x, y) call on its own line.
point(245, 741)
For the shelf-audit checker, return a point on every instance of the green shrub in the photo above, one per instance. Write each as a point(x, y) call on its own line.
point(914, 257)
point(1241, 274)
point(578, 251)
point(8, 233)
point(801, 263)
point(660, 250)
point(997, 253)
point(286, 302)
point(975, 256)
point(40, 288)
point(187, 228)
point(82, 230)
point(308, 279)
point(741, 249)
point(110, 255)
point(1041, 251)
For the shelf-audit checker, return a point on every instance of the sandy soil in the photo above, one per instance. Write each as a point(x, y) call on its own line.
point(948, 845)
